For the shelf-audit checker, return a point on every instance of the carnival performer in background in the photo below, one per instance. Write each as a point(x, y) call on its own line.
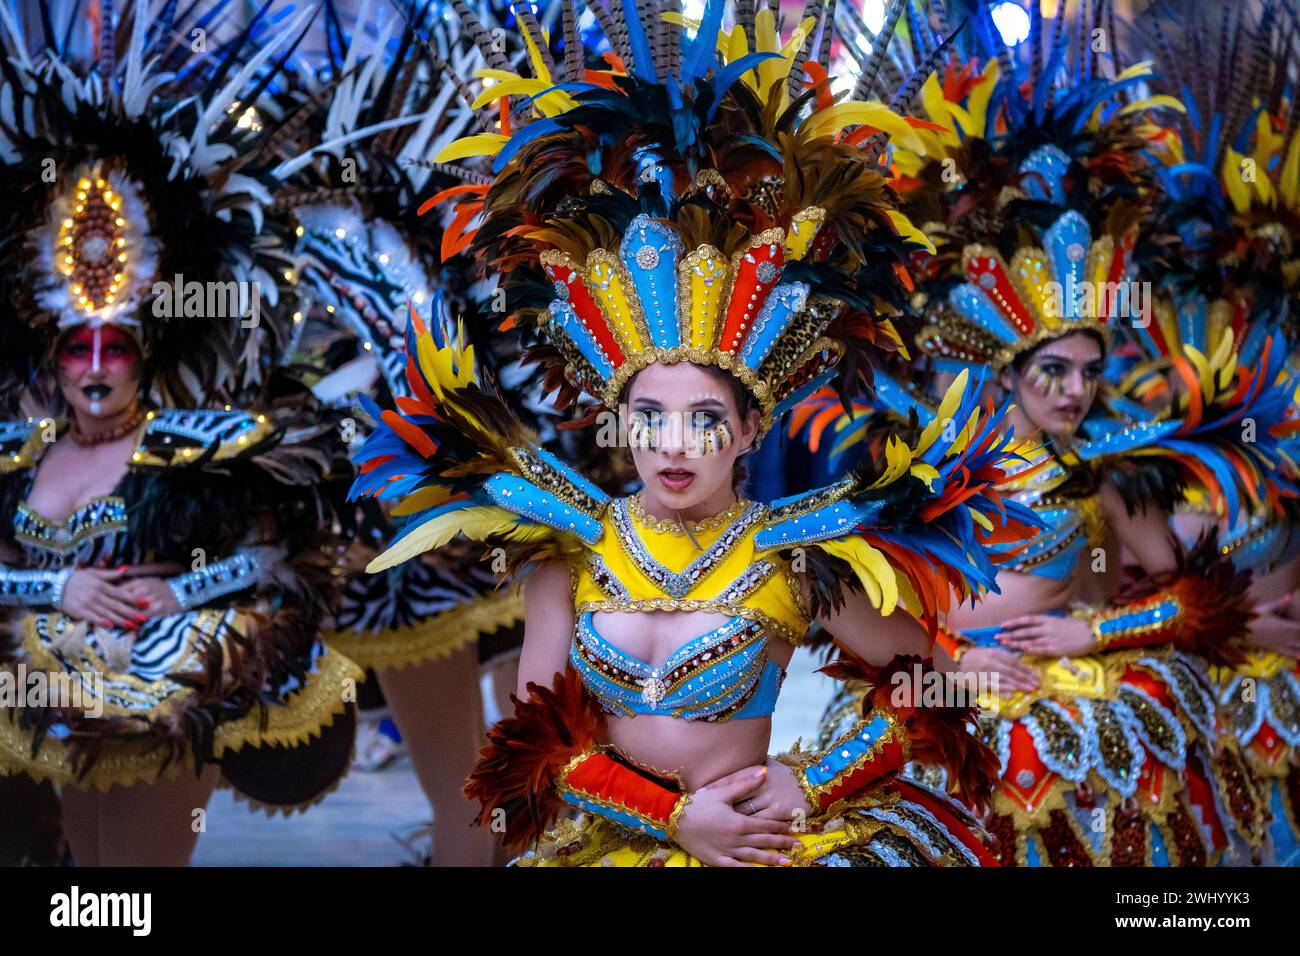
point(1105, 724)
point(699, 241)
point(1231, 172)
point(364, 254)
point(166, 546)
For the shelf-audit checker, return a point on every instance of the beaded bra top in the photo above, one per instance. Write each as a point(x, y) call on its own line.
point(640, 563)
point(95, 534)
point(1072, 524)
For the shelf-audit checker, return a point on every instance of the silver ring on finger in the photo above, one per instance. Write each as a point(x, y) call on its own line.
point(749, 802)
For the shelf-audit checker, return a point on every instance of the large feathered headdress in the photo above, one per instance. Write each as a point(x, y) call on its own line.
point(1231, 166)
point(1033, 185)
point(144, 161)
point(363, 251)
point(686, 195)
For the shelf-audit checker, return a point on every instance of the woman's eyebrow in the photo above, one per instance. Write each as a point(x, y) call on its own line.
point(710, 401)
point(645, 403)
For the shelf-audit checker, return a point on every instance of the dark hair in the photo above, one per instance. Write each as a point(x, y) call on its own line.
point(1020, 361)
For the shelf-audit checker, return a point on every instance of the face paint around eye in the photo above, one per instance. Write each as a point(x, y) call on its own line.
point(711, 441)
point(643, 431)
point(96, 348)
point(1046, 379)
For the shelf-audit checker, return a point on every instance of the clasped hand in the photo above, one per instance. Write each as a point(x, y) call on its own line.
point(744, 818)
point(125, 597)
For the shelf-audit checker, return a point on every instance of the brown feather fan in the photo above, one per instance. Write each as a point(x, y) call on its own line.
point(525, 754)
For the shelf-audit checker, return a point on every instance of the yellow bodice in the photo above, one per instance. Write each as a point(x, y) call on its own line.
point(642, 563)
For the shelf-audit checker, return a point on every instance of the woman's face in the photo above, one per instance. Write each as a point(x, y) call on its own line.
point(1055, 388)
point(685, 432)
point(99, 370)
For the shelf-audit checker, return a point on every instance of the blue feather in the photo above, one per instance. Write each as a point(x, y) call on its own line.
point(700, 54)
point(636, 36)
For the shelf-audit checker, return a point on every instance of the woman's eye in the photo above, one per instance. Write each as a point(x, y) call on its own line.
point(1052, 370)
point(1092, 372)
point(703, 419)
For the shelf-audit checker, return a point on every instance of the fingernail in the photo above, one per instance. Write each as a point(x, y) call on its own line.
point(106, 623)
point(141, 602)
point(758, 774)
point(786, 861)
point(139, 618)
point(122, 567)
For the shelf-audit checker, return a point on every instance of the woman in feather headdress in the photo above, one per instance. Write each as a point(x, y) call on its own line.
point(699, 236)
point(165, 564)
point(1103, 722)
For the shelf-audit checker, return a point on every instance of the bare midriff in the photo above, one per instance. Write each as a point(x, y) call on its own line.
point(698, 751)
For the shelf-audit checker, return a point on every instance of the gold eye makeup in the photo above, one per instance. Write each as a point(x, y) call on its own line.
point(712, 439)
point(643, 431)
point(1048, 375)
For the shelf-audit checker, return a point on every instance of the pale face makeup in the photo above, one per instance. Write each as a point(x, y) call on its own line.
point(685, 433)
point(1056, 387)
point(99, 372)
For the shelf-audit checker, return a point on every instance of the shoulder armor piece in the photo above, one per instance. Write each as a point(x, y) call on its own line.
point(176, 437)
point(20, 443)
point(550, 492)
point(817, 515)
point(1116, 437)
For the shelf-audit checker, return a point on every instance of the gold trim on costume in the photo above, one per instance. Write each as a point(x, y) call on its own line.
point(431, 639)
point(307, 712)
point(721, 520)
point(692, 604)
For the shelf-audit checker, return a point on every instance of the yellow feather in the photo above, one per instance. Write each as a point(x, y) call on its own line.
point(535, 57)
point(830, 121)
point(926, 472)
point(904, 227)
point(872, 568)
point(1238, 191)
point(480, 144)
point(979, 99)
point(936, 106)
point(552, 104)
point(478, 524)
point(947, 408)
point(1142, 68)
point(690, 24)
point(1288, 181)
point(980, 519)
point(1203, 371)
point(1159, 101)
point(898, 458)
point(419, 500)
point(737, 47)
point(1224, 360)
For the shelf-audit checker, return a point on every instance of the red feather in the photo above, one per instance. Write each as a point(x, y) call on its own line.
point(936, 735)
point(517, 771)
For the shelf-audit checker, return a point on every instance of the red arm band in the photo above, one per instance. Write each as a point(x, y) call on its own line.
point(1203, 606)
point(598, 782)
